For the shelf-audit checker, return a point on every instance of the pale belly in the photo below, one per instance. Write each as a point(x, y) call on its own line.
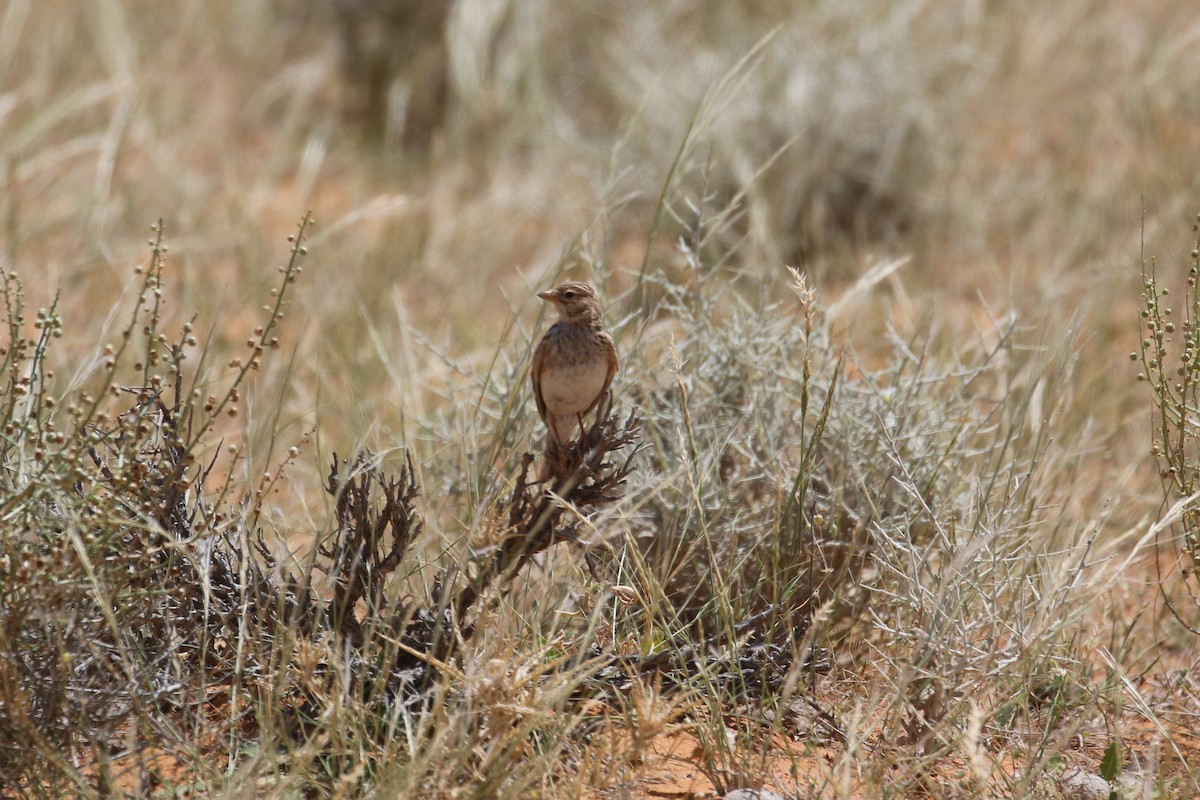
point(573, 389)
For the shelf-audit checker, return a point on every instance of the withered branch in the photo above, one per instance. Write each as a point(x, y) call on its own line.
point(372, 536)
point(583, 476)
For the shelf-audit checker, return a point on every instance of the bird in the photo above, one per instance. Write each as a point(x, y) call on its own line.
point(574, 364)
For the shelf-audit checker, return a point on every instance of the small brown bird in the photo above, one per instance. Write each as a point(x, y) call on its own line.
point(575, 362)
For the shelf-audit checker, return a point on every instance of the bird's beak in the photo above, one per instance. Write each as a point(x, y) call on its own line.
point(546, 296)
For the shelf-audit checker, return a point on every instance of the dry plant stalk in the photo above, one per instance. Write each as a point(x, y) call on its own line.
point(1173, 375)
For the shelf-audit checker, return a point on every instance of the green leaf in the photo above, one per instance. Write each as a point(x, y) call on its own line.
point(1110, 764)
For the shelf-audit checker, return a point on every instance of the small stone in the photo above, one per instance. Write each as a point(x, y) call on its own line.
point(1080, 785)
point(1132, 785)
point(751, 794)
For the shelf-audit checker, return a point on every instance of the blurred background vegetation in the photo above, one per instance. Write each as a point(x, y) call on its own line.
point(454, 153)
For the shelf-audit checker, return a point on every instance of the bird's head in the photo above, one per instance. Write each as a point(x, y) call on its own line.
point(575, 301)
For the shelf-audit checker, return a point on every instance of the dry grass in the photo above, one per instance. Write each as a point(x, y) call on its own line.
point(893, 527)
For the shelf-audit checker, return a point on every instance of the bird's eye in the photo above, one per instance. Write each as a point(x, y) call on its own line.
point(569, 295)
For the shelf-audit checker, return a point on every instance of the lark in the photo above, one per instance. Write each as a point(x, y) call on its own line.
point(575, 362)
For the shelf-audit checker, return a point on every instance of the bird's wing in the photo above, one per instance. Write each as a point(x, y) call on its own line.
point(613, 361)
point(535, 375)
point(610, 350)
